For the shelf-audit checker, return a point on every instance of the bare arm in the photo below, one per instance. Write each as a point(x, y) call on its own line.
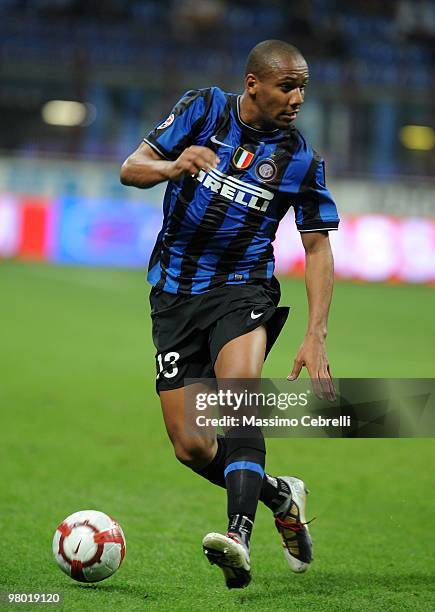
point(319, 280)
point(145, 168)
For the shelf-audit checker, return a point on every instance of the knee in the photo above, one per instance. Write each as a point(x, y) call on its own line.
point(195, 452)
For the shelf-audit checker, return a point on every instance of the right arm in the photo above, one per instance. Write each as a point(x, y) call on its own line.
point(145, 168)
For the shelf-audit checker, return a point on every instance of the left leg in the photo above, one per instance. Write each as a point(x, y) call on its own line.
point(241, 359)
point(243, 461)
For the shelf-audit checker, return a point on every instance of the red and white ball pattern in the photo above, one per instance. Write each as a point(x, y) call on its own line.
point(89, 546)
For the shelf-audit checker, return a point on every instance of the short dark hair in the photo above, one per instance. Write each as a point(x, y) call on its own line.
point(261, 58)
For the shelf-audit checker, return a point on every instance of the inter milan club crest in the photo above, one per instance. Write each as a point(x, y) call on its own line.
point(242, 158)
point(266, 170)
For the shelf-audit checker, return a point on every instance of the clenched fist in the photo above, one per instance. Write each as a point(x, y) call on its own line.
point(191, 161)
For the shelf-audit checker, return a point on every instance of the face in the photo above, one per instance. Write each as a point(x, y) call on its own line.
point(279, 94)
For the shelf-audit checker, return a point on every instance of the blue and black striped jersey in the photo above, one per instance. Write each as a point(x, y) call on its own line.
point(218, 228)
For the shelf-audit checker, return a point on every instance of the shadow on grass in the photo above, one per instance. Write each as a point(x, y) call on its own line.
point(319, 583)
point(341, 582)
point(124, 588)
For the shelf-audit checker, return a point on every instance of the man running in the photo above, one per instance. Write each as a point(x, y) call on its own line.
point(234, 165)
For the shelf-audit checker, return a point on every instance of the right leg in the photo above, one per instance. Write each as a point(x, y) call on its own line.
point(194, 446)
point(200, 449)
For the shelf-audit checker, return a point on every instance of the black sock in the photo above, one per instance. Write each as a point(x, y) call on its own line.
point(214, 471)
point(272, 490)
point(244, 472)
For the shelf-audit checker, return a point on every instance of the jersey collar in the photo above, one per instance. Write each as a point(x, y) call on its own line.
point(260, 134)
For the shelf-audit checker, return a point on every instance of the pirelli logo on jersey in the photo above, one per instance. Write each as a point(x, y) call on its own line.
point(235, 190)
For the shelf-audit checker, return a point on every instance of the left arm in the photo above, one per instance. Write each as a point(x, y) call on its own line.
point(319, 280)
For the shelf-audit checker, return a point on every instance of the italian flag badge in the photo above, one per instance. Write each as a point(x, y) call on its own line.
point(242, 158)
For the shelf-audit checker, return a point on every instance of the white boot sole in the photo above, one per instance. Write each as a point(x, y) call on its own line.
point(230, 556)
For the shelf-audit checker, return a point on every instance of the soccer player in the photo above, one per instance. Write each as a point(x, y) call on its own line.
point(234, 165)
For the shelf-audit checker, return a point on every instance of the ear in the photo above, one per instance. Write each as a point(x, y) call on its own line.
point(251, 84)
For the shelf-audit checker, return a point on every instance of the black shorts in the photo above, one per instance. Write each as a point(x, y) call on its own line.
point(189, 331)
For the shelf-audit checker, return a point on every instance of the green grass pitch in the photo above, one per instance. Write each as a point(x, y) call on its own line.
point(81, 428)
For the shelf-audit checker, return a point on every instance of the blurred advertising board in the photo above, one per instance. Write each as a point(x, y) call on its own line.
point(10, 221)
point(104, 232)
point(111, 232)
point(25, 226)
point(369, 248)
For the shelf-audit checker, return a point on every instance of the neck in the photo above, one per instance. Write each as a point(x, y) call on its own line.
point(249, 114)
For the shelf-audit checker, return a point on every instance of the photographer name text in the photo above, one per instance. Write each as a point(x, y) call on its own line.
point(251, 420)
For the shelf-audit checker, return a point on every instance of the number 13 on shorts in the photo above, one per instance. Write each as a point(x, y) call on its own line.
point(167, 364)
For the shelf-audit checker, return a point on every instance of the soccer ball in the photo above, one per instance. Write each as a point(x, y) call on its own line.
point(89, 546)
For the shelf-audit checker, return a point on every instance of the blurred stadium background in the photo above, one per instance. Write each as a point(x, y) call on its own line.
point(83, 81)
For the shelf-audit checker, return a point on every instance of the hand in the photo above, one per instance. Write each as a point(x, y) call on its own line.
point(312, 355)
point(191, 161)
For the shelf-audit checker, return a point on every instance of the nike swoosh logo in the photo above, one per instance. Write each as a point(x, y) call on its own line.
point(219, 142)
point(77, 549)
point(255, 315)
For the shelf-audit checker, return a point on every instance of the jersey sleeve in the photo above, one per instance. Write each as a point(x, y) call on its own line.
point(315, 210)
point(178, 131)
